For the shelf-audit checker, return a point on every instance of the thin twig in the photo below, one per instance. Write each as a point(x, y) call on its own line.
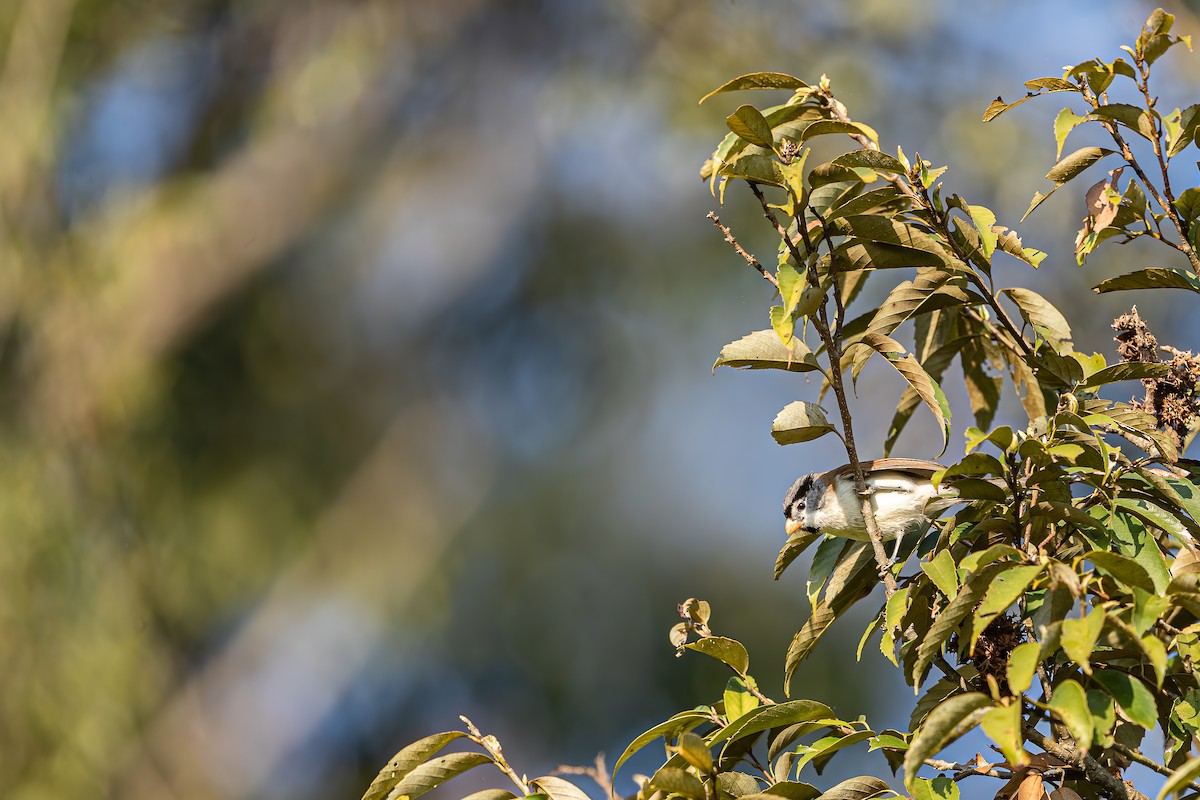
point(598, 772)
point(751, 260)
point(492, 745)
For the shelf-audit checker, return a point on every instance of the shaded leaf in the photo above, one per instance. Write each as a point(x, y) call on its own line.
point(796, 544)
point(1041, 313)
point(1075, 163)
point(678, 781)
point(944, 724)
point(749, 123)
point(1131, 695)
point(1126, 371)
point(1151, 278)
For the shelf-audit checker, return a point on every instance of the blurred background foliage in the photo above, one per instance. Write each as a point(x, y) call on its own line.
point(356, 364)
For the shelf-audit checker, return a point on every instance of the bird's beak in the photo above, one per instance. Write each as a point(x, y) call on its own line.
point(792, 526)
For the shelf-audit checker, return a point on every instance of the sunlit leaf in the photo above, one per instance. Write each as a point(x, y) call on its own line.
point(1002, 724)
point(1072, 165)
point(557, 788)
point(729, 651)
point(758, 80)
point(1079, 637)
point(435, 772)
point(1004, 590)
point(672, 728)
point(406, 761)
point(800, 422)
point(1070, 704)
point(1180, 779)
point(763, 350)
point(1022, 664)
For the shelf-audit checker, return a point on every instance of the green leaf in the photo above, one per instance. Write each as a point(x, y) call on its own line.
point(822, 750)
point(939, 788)
point(778, 715)
point(675, 726)
point(791, 790)
point(758, 80)
point(492, 794)
point(1180, 778)
point(796, 544)
point(406, 761)
point(1120, 568)
point(944, 724)
point(984, 218)
point(875, 228)
point(1072, 165)
point(561, 789)
point(1022, 664)
point(1002, 724)
point(1150, 278)
point(783, 324)
point(827, 126)
point(749, 123)
point(1079, 637)
point(1188, 204)
point(926, 387)
point(737, 784)
point(1126, 371)
point(729, 651)
point(695, 752)
point(852, 580)
point(942, 572)
point(739, 700)
point(1135, 119)
point(763, 350)
point(871, 159)
point(434, 773)
point(756, 168)
point(1064, 123)
point(1042, 315)
point(1131, 695)
point(800, 422)
point(861, 788)
point(1070, 704)
point(998, 106)
point(947, 622)
point(678, 781)
point(1132, 539)
point(1002, 593)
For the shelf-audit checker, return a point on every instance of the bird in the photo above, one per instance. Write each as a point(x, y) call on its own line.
point(828, 503)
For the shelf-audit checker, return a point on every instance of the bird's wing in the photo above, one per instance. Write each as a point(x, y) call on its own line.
point(916, 466)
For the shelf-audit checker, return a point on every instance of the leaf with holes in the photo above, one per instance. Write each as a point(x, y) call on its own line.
point(406, 761)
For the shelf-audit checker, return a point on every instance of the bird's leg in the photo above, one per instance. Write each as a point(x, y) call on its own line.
point(896, 550)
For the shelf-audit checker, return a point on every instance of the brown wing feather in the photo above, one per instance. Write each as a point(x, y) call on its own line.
point(919, 466)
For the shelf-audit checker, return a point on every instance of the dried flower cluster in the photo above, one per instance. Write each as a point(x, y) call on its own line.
point(1174, 399)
